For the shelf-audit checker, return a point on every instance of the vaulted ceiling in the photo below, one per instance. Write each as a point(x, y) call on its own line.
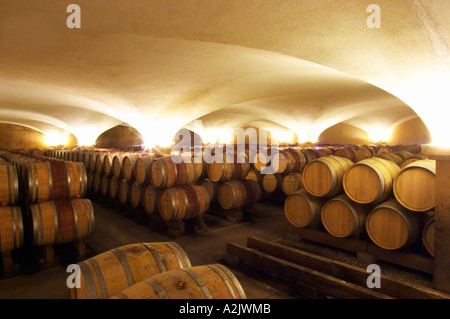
point(298, 66)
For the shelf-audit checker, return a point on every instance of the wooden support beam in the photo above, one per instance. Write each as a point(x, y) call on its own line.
point(441, 274)
point(326, 284)
point(398, 257)
point(442, 226)
point(357, 275)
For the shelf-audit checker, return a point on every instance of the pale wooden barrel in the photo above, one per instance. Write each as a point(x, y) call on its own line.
point(291, 183)
point(97, 181)
point(113, 187)
point(254, 175)
point(236, 194)
point(290, 160)
point(128, 165)
point(428, 236)
point(363, 152)
point(108, 163)
point(211, 187)
point(397, 159)
point(347, 152)
point(370, 181)
point(414, 185)
point(213, 281)
point(310, 154)
point(110, 272)
point(183, 202)
point(412, 158)
point(61, 221)
point(136, 194)
point(391, 226)
point(9, 185)
point(271, 183)
point(150, 197)
point(123, 191)
point(11, 229)
point(229, 169)
point(323, 177)
point(342, 217)
point(163, 172)
point(303, 209)
point(142, 168)
point(117, 168)
point(104, 186)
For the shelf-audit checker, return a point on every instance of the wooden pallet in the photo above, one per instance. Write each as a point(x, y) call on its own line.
point(366, 249)
point(318, 276)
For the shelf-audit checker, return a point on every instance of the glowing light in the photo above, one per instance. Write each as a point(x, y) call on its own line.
point(378, 133)
point(282, 136)
point(429, 95)
point(87, 135)
point(56, 138)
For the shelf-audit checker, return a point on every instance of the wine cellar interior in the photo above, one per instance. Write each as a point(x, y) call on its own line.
point(223, 149)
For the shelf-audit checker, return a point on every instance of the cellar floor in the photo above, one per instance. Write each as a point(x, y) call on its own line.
point(115, 227)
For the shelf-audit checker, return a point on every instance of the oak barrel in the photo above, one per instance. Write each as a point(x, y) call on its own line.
point(342, 217)
point(271, 183)
point(11, 228)
point(236, 194)
point(391, 226)
point(428, 236)
point(112, 271)
point(123, 191)
point(255, 175)
point(150, 197)
point(414, 185)
point(54, 179)
point(213, 281)
point(291, 183)
point(183, 202)
point(211, 187)
point(323, 177)
point(303, 209)
point(347, 152)
point(136, 190)
point(61, 221)
point(228, 169)
point(128, 165)
point(9, 185)
point(370, 180)
point(163, 172)
point(142, 168)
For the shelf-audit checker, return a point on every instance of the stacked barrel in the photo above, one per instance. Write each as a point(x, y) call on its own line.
point(378, 196)
point(176, 180)
point(226, 182)
point(11, 222)
point(52, 195)
point(286, 166)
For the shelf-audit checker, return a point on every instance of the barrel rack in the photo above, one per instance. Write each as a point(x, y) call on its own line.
point(311, 275)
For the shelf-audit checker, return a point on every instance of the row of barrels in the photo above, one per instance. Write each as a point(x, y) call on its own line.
point(373, 180)
point(51, 208)
point(11, 224)
point(179, 202)
point(42, 179)
point(152, 270)
point(388, 224)
point(290, 160)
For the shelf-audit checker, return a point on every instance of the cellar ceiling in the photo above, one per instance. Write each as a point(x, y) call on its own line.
point(291, 67)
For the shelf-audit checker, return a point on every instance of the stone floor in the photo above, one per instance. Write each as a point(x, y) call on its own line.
point(115, 227)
